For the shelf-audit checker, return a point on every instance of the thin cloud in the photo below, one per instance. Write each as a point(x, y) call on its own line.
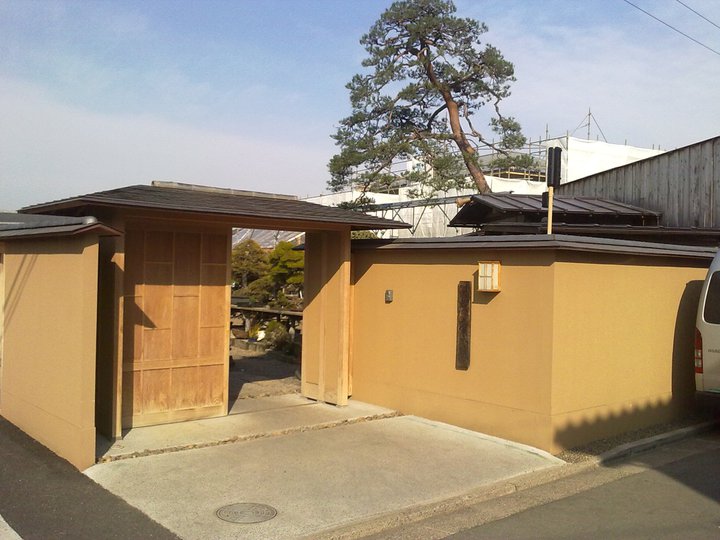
point(642, 89)
point(54, 151)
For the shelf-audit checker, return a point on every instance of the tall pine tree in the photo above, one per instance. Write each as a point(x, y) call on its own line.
point(429, 76)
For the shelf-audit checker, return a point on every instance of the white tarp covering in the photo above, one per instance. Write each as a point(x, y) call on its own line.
point(581, 158)
point(517, 186)
point(428, 221)
point(333, 199)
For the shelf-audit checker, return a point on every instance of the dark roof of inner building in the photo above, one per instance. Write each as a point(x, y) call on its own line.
point(492, 207)
point(221, 203)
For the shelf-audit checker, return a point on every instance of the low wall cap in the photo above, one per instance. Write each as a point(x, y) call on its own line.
point(541, 241)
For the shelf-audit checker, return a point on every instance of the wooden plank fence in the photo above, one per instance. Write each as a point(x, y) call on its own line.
point(683, 184)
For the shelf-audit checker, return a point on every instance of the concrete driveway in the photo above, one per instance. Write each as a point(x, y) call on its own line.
point(317, 480)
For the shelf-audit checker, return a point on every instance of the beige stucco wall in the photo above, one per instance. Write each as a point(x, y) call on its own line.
point(403, 353)
point(48, 377)
point(623, 349)
point(568, 342)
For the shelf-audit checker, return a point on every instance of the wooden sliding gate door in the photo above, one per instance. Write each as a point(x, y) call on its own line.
point(176, 320)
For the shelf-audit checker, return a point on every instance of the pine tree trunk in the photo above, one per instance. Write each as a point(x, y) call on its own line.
point(466, 149)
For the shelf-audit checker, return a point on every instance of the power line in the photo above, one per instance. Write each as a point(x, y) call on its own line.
point(672, 27)
point(698, 14)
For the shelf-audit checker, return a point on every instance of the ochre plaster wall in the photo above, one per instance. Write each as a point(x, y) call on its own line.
point(403, 352)
point(48, 378)
point(623, 344)
point(573, 348)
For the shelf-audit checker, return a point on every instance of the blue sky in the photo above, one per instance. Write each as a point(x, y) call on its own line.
point(246, 93)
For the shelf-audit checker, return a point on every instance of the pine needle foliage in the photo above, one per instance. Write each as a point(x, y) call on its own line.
point(428, 80)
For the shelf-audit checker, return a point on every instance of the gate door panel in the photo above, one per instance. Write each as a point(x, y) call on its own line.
point(175, 324)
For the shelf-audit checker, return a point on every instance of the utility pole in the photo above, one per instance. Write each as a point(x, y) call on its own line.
point(589, 118)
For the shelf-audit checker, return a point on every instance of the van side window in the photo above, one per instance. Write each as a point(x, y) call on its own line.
point(711, 312)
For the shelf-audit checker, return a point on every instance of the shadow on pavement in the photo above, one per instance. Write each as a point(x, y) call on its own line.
point(42, 496)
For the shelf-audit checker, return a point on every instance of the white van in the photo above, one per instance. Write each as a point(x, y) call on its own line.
point(707, 333)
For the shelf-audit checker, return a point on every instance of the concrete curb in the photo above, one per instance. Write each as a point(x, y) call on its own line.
point(413, 515)
point(417, 513)
point(643, 445)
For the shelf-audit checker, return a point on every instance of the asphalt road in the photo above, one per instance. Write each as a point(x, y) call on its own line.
point(42, 496)
point(677, 500)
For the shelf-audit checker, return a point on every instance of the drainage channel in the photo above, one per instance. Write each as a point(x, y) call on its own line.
point(246, 513)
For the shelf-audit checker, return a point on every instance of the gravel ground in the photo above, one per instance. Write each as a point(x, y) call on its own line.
point(261, 374)
point(596, 448)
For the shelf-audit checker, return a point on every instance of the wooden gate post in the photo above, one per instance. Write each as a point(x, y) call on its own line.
point(326, 317)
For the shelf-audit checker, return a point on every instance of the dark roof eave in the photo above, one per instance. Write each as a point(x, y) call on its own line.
point(61, 230)
point(364, 223)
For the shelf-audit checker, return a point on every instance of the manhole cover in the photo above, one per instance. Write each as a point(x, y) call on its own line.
point(246, 513)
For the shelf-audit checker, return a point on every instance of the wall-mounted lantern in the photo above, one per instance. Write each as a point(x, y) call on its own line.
point(489, 276)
